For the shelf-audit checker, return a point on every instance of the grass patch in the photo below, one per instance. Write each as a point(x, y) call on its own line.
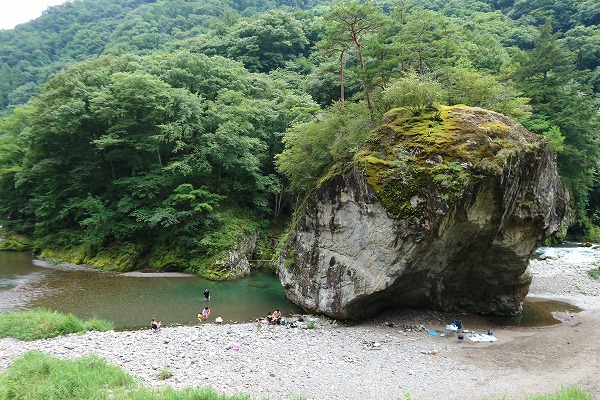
point(569, 393)
point(594, 273)
point(165, 373)
point(38, 376)
point(42, 324)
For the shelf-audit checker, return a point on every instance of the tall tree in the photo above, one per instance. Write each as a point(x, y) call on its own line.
point(337, 46)
point(349, 20)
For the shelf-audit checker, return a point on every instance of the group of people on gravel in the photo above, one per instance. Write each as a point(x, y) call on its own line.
point(273, 318)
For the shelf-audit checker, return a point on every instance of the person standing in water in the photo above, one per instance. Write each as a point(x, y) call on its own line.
point(206, 294)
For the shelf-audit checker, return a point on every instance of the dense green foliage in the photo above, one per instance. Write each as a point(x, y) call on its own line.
point(123, 149)
point(150, 133)
point(43, 324)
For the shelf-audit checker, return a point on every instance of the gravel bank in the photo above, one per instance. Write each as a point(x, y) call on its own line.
point(275, 361)
point(371, 360)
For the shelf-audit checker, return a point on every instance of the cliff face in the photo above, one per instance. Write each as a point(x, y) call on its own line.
point(442, 211)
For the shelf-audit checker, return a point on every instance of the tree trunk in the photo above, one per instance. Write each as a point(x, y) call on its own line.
point(342, 87)
point(361, 61)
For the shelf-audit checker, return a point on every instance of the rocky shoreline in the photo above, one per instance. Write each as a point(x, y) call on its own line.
point(382, 358)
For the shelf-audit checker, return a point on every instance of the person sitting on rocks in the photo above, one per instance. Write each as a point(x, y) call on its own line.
point(276, 317)
point(268, 319)
point(155, 326)
point(205, 314)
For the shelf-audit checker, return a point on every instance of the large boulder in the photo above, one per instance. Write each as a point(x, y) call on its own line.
point(440, 211)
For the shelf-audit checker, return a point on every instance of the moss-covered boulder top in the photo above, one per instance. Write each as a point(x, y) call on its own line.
point(443, 151)
point(441, 210)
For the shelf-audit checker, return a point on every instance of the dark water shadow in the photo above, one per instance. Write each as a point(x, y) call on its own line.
point(537, 312)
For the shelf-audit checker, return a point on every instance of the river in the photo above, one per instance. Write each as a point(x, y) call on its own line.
point(131, 301)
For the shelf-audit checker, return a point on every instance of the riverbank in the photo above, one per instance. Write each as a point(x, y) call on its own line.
point(382, 358)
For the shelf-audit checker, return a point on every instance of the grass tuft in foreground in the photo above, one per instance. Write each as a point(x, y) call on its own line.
point(39, 376)
point(566, 393)
point(43, 324)
point(570, 393)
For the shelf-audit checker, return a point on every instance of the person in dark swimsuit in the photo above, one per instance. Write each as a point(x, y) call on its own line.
point(155, 326)
point(206, 294)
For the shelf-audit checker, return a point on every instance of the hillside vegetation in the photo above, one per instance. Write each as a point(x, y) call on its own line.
point(162, 133)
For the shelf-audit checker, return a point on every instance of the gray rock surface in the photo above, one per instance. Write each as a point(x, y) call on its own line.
point(234, 263)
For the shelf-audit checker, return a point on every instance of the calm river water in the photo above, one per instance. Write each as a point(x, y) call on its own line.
point(132, 301)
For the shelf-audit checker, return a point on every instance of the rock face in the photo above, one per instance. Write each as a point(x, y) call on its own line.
point(441, 211)
point(234, 263)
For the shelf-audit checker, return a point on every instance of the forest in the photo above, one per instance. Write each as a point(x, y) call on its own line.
point(160, 133)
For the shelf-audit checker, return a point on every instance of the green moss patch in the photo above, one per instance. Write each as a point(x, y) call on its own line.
point(435, 155)
point(123, 257)
point(198, 254)
point(13, 241)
